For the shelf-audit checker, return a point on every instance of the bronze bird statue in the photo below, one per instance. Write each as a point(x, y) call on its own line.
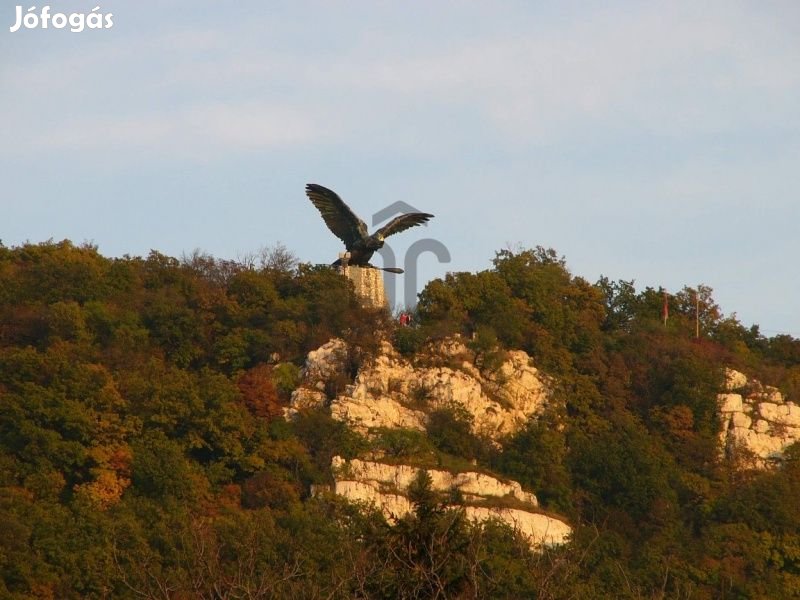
point(353, 231)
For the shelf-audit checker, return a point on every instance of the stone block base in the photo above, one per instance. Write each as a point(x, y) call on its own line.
point(368, 284)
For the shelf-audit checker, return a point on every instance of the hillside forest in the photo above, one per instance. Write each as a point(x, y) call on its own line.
point(144, 452)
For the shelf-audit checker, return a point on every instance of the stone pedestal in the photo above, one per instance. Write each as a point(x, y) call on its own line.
point(368, 284)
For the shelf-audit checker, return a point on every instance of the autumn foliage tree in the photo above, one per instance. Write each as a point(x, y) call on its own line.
point(144, 453)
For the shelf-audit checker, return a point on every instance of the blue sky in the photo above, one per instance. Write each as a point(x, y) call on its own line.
point(654, 141)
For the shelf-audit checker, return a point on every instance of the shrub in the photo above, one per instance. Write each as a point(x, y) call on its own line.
point(404, 443)
point(450, 430)
point(287, 377)
point(408, 340)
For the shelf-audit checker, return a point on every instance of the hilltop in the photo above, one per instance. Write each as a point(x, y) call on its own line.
point(191, 427)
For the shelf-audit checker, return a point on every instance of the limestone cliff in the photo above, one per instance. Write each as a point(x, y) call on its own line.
point(394, 392)
point(484, 497)
point(391, 391)
point(756, 419)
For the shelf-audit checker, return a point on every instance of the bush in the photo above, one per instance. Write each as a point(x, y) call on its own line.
point(408, 340)
point(287, 377)
point(325, 438)
point(404, 443)
point(450, 430)
point(488, 354)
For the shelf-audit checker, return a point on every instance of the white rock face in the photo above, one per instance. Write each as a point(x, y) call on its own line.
point(303, 398)
point(363, 412)
point(393, 506)
point(385, 486)
point(391, 392)
point(472, 484)
point(739, 419)
point(757, 420)
point(734, 380)
point(540, 529)
point(322, 364)
point(325, 362)
point(730, 403)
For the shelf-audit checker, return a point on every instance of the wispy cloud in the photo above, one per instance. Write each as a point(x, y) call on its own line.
point(199, 131)
point(652, 69)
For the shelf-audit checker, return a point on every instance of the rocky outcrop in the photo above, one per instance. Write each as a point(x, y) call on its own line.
point(322, 365)
point(392, 392)
point(484, 497)
point(385, 477)
point(756, 420)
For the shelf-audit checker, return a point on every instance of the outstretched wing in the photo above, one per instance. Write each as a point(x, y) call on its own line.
point(402, 223)
point(337, 215)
